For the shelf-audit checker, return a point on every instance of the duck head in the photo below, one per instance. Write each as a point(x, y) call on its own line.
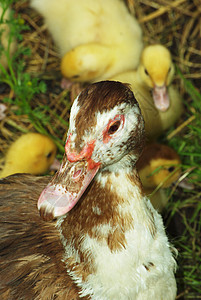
point(156, 70)
point(105, 126)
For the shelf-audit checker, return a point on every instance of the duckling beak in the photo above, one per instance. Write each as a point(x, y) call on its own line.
point(66, 187)
point(161, 98)
point(55, 166)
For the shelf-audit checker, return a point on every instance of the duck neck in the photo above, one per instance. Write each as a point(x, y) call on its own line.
point(108, 221)
point(114, 202)
point(122, 182)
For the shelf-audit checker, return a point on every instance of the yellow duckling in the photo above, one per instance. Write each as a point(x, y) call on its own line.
point(96, 39)
point(31, 153)
point(4, 38)
point(160, 102)
point(158, 166)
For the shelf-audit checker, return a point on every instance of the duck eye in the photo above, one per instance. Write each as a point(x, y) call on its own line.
point(49, 154)
point(171, 169)
point(146, 72)
point(114, 127)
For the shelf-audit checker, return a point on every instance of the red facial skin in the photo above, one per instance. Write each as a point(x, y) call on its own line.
point(86, 153)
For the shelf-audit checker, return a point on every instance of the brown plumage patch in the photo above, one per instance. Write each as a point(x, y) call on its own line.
point(148, 266)
point(116, 240)
point(136, 140)
point(31, 253)
point(134, 179)
point(89, 223)
point(99, 97)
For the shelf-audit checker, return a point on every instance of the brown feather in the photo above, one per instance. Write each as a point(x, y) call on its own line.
point(34, 269)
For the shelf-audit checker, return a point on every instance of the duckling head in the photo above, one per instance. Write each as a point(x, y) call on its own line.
point(156, 70)
point(158, 165)
point(86, 63)
point(31, 153)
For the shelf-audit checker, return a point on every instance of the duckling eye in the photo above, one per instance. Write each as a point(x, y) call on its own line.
point(146, 72)
point(49, 154)
point(171, 169)
point(114, 127)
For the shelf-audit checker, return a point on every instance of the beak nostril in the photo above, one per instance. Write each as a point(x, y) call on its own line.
point(77, 170)
point(77, 174)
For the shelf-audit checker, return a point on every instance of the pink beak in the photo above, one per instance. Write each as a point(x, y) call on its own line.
point(69, 183)
point(161, 98)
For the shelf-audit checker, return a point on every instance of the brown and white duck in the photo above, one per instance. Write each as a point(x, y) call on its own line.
point(102, 238)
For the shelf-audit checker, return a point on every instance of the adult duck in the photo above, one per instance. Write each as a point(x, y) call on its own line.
point(95, 39)
point(102, 239)
point(159, 100)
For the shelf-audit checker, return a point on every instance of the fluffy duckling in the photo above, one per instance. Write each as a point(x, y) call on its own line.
point(163, 107)
point(31, 153)
point(159, 165)
point(4, 38)
point(96, 39)
point(157, 70)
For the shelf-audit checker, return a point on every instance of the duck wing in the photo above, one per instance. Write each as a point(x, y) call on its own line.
point(31, 253)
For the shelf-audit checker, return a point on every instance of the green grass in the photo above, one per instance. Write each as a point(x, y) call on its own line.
point(24, 85)
point(185, 205)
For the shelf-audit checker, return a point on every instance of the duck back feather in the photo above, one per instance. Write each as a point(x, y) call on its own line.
point(30, 270)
